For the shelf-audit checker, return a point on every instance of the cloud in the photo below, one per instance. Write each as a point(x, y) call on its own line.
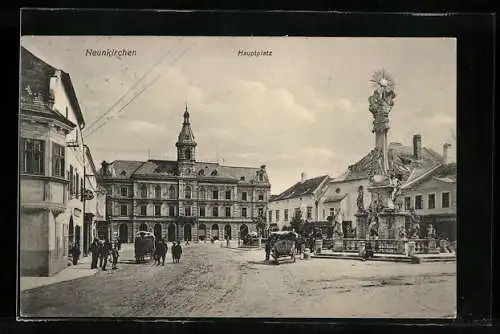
point(319, 152)
point(440, 120)
point(303, 109)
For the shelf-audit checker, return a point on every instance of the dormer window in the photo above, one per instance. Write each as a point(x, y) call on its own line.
point(201, 172)
point(214, 173)
point(123, 173)
point(242, 178)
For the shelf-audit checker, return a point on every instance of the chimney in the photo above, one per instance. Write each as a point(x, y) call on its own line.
point(417, 147)
point(302, 177)
point(445, 152)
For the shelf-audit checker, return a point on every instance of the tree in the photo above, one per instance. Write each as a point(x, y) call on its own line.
point(261, 225)
point(297, 222)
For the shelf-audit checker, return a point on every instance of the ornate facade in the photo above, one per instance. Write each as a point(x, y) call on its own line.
point(184, 199)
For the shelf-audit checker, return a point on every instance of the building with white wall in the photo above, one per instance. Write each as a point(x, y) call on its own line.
point(303, 196)
point(51, 167)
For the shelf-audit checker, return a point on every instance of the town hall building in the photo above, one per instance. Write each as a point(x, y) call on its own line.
point(184, 199)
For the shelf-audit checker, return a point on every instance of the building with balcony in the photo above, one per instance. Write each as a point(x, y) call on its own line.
point(183, 199)
point(51, 167)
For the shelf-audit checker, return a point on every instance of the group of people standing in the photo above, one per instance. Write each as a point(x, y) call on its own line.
point(161, 249)
point(101, 250)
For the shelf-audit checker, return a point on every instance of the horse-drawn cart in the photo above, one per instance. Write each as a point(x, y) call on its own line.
point(283, 245)
point(144, 246)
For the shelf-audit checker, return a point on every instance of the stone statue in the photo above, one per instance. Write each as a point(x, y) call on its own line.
point(383, 95)
point(431, 232)
point(415, 224)
point(360, 200)
point(338, 230)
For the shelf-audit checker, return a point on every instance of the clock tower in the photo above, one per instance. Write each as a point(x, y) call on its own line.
point(186, 146)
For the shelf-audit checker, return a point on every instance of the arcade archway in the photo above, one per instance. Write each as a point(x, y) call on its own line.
point(123, 233)
point(243, 231)
point(157, 231)
point(187, 232)
point(171, 232)
point(202, 232)
point(215, 231)
point(227, 231)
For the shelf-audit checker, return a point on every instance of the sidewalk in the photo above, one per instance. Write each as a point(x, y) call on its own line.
point(82, 269)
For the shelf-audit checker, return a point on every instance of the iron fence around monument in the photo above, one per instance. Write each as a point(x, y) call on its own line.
point(384, 246)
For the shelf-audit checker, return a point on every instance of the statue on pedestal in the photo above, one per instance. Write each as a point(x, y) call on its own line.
point(431, 232)
point(360, 200)
point(337, 227)
point(415, 224)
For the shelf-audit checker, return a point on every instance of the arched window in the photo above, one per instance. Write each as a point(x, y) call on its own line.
point(202, 193)
point(188, 154)
point(144, 191)
point(171, 192)
point(188, 192)
point(158, 192)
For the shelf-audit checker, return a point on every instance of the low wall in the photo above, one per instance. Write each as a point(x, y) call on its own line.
point(385, 246)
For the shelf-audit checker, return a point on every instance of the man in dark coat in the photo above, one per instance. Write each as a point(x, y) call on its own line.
point(94, 250)
point(105, 252)
point(75, 253)
point(178, 252)
point(174, 250)
point(101, 253)
point(164, 251)
point(268, 248)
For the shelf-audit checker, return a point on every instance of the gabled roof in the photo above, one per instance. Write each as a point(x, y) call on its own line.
point(35, 86)
point(445, 173)
point(308, 187)
point(401, 160)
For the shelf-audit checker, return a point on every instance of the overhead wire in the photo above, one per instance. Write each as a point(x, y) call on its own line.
point(128, 91)
point(145, 88)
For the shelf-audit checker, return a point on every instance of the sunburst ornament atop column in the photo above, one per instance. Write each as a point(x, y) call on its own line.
point(380, 104)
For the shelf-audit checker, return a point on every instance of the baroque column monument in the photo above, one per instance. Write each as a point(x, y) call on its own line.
point(382, 219)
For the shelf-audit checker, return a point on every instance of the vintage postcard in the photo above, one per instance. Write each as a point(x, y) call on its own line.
point(274, 177)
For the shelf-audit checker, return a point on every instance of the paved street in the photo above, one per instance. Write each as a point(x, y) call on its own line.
point(218, 282)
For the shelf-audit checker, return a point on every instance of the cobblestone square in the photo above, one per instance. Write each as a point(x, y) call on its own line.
point(211, 281)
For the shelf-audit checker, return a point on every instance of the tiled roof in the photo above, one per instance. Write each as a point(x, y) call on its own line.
point(401, 159)
point(121, 169)
point(125, 169)
point(301, 188)
point(35, 86)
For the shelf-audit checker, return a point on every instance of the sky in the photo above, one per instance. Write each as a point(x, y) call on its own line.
point(304, 108)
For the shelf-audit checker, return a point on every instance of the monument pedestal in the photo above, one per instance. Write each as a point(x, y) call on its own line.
point(338, 245)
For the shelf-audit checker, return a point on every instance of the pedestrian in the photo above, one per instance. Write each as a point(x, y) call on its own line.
point(187, 243)
point(268, 248)
point(75, 253)
point(174, 251)
point(118, 243)
point(115, 255)
point(101, 252)
point(106, 249)
point(94, 250)
point(158, 252)
point(164, 251)
point(178, 252)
